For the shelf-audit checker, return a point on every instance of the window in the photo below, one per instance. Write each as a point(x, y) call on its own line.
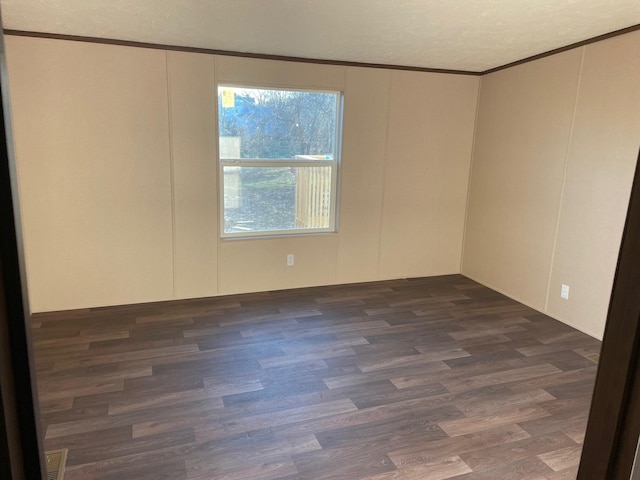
point(278, 160)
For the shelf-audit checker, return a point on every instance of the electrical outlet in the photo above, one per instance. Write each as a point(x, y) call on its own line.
point(564, 292)
point(290, 260)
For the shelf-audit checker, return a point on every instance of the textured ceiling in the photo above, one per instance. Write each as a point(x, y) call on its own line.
point(472, 35)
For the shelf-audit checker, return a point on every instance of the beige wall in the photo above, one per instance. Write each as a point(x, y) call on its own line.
point(259, 264)
point(360, 214)
point(430, 137)
point(404, 173)
point(193, 151)
point(522, 136)
point(117, 167)
point(556, 146)
point(116, 152)
point(601, 164)
point(91, 133)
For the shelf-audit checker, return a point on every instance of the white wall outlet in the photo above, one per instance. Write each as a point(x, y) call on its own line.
point(290, 260)
point(564, 292)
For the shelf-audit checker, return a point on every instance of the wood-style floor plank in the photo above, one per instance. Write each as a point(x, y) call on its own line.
point(433, 378)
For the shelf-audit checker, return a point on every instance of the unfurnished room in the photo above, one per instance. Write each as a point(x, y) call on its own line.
point(356, 240)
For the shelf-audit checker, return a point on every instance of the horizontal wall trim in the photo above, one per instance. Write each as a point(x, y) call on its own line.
point(582, 43)
point(228, 53)
point(263, 56)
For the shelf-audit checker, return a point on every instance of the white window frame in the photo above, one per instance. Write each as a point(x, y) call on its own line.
point(283, 163)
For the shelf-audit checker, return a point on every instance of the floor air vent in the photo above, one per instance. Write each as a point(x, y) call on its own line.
point(56, 460)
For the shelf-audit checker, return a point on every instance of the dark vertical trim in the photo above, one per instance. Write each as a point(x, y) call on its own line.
point(628, 439)
point(22, 447)
point(605, 453)
point(5, 459)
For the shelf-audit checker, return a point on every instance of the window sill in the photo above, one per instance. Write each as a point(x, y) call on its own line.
point(278, 236)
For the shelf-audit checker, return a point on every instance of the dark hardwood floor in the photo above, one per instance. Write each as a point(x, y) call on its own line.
point(433, 378)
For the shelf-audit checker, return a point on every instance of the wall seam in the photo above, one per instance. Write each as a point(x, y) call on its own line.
point(473, 155)
point(172, 177)
point(384, 172)
point(564, 181)
point(219, 179)
point(336, 271)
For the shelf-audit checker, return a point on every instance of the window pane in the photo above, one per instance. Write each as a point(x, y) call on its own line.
point(261, 123)
point(259, 199)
